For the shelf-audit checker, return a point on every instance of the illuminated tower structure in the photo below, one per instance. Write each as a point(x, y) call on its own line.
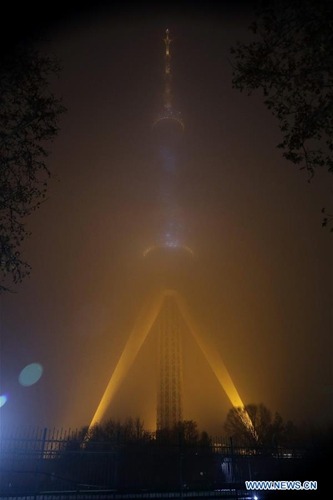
point(170, 381)
point(168, 129)
point(167, 313)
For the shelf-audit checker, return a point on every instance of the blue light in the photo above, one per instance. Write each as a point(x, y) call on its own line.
point(3, 400)
point(30, 374)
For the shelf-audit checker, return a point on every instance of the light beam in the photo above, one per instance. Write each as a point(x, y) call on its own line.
point(216, 363)
point(133, 346)
point(135, 342)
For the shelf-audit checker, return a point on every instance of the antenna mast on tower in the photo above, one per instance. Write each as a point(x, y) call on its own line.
point(168, 112)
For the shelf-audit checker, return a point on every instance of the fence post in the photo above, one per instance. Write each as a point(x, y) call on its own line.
point(181, 468)
point(40, 458)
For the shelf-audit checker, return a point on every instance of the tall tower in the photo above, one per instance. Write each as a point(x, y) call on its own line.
point(168, 129)
point(167, 312)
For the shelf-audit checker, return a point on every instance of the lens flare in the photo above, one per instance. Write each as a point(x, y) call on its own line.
point(3, 400)
point(30, 374)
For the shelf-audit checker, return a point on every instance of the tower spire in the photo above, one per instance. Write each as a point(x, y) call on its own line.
point(168, 112)
point(167, 73)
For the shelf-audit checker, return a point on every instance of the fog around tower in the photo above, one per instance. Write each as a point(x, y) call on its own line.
point(259, 280)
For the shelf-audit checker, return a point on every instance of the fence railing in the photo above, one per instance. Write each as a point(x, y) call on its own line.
point(36, 461)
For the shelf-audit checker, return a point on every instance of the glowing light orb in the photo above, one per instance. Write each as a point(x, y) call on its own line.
point(30, 374)
point(3, 400)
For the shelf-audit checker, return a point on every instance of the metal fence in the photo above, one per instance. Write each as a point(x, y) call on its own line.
point(42, 461)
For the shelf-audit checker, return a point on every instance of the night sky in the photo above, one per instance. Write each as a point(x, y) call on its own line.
point(260, 284)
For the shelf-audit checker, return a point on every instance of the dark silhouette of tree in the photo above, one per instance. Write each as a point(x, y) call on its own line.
point(291, 61)
point(187, 431)
point(29, 116)
point(271, 430)
point(109, 433)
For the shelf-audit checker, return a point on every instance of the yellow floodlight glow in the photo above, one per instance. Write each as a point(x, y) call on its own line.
point(133, 346)
point(135, 342)
point(216, 363)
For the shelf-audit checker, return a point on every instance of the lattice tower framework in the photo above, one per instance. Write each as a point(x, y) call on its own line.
point(169, 325)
